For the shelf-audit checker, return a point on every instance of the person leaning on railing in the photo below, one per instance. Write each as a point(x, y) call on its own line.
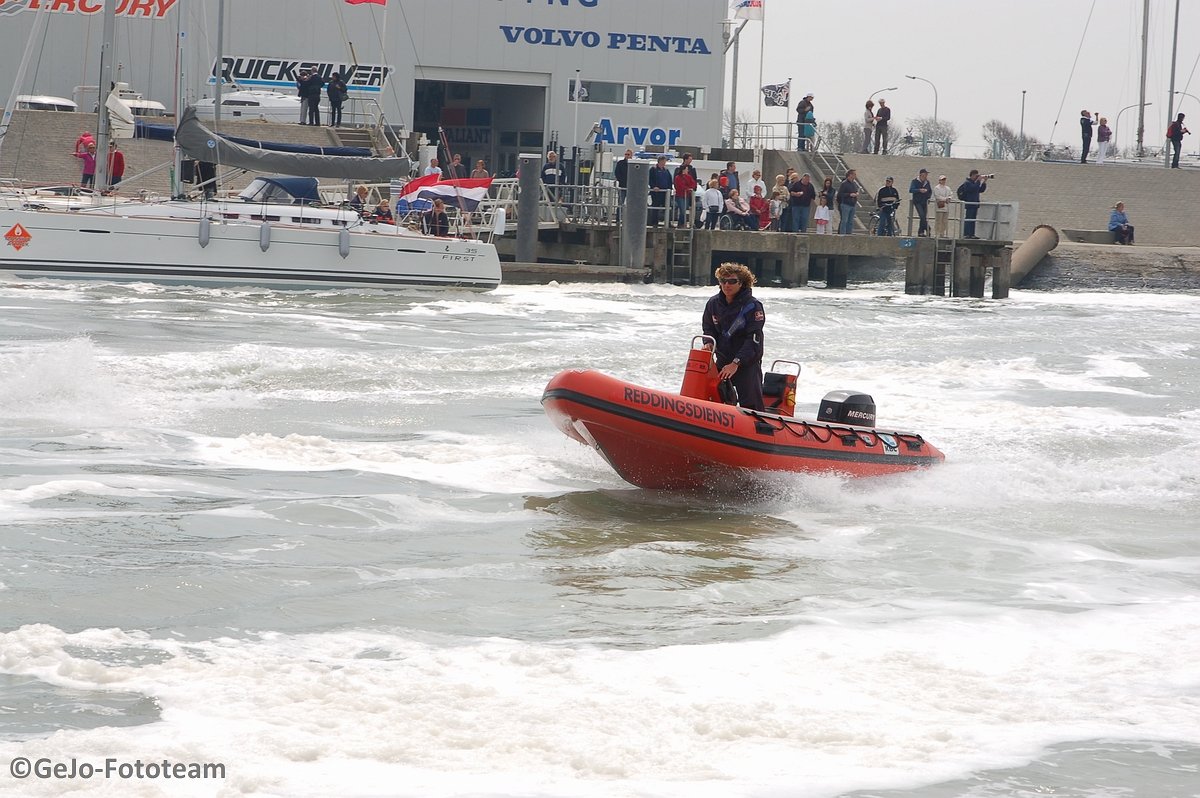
point(942, 194)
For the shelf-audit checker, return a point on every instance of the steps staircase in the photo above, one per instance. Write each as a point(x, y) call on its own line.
point(355, 137)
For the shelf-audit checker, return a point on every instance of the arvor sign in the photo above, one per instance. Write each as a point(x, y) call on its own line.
point(630, 134)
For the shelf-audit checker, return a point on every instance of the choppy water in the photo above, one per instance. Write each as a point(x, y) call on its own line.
point(330, 541)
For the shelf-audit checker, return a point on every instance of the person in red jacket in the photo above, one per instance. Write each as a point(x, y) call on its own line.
point(116, 166)
point(760, 207)
point(685, 189)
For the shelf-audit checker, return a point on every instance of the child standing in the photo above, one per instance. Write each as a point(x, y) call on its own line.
point(823, 216)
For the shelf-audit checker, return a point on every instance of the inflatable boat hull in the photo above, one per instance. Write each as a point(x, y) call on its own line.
point(659, 440)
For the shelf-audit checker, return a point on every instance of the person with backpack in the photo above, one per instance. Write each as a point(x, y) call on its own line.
point(968, 193)
point(1175, 133)
point(337, 91)
point(804, 113)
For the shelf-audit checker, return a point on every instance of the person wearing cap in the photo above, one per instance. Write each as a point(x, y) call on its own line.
point(804, 118)
point(969, 192)
point(661, 182)
point(942, 194)
point(886, 201)
point(882, 117)
point(920, 191)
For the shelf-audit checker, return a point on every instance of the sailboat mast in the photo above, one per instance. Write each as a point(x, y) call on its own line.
point(180, 94)
point(103, 134)
point(220, 63)
point(1141, 131)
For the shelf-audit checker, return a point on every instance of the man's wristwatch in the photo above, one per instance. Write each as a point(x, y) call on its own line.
point(737, 361)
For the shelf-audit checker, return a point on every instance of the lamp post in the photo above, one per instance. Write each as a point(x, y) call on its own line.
point(1117, 124)
point(935, 96)
point(1185, 94)
point(881, 91)
point(1022, 133)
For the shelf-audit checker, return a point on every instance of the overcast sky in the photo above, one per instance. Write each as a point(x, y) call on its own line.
point(980, 54)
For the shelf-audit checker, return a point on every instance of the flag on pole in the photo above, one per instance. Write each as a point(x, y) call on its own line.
point(777, 94)
point(748, 9)
point(360, 2)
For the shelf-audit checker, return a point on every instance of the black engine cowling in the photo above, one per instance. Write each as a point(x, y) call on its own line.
point(847, 407)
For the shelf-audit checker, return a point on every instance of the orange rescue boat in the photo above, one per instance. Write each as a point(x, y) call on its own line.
point(693, 440)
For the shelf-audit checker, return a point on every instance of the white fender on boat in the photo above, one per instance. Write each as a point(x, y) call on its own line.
point(205, 232)
point(344, 242)
point(498, 222)
point(264, 236)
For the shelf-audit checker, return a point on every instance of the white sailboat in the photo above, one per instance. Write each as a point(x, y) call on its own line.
point(247, 241)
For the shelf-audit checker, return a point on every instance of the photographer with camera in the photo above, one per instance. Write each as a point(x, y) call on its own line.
point(968, 193)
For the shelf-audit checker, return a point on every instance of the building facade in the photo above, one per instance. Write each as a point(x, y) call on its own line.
point(495, 77)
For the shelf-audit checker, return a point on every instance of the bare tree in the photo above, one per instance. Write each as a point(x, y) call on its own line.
point(1010, 144)
point(743, 130)
point(923, 128)
point(840, 137)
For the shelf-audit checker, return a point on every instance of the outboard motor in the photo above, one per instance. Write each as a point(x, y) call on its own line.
point(847, 407)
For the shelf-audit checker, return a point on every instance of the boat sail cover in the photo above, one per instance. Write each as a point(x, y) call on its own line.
point(197, 141)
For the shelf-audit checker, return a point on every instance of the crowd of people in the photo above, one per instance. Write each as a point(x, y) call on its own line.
point(794, 203)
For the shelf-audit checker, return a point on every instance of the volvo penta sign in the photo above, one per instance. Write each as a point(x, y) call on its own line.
point(613, 40)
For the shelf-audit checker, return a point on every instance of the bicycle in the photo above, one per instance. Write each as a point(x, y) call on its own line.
point(892, 227)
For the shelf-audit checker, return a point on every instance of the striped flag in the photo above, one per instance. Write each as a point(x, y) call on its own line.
point(360, 2)
point(748, 9)
point(465, 193)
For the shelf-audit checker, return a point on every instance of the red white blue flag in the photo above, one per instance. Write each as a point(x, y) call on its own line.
point(360, 2)
point(465, 193)
point(748, 9)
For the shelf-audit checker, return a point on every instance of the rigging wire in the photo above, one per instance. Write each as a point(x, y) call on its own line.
point(1072, 75)
point(20, 141)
